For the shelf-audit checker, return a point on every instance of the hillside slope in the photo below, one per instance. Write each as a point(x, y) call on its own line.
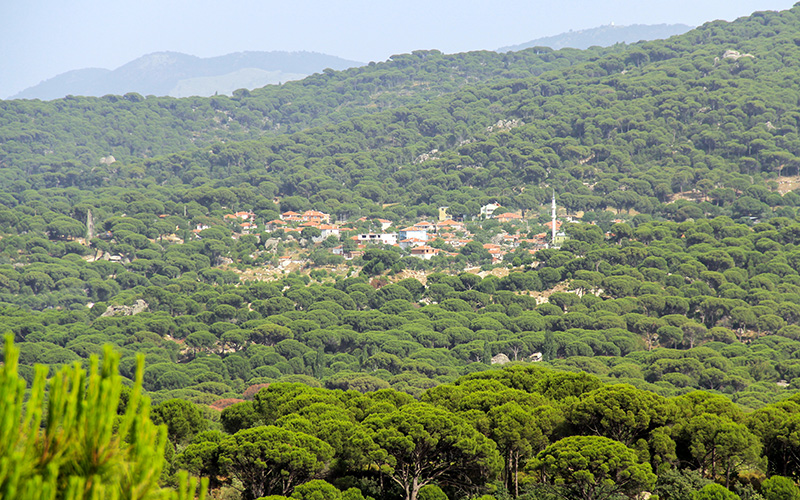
point(86, 129)
point(712, 110)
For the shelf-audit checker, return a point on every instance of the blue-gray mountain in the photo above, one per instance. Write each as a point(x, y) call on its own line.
point(603, 36)
point(182, 75)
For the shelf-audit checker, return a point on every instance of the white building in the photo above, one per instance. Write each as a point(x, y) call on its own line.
point(383, 238)
point(413, 232)
point(488, 210)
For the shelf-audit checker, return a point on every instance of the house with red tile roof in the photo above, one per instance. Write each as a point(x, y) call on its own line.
point(425, 226)
point(497, 254)
point(315, 216)
point(276, 224)
point(549, 225)
point(328, 230)
point(247, 216)
point(424, 252)
point(508, 217)
point(411, 243)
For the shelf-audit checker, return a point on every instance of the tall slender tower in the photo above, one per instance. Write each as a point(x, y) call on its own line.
point(89, 226)
point(553, 229)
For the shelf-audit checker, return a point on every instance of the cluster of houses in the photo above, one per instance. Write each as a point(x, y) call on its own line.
point(416, 239)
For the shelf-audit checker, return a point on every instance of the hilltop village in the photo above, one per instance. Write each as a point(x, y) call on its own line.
point(499, 234)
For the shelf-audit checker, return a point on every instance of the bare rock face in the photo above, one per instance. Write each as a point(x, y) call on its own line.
point(736, 55)
point(500, 359)
point(139, 306)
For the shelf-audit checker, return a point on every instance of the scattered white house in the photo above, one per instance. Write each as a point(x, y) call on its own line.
point(326, 231)
point(488, 210)
point(413, 232)
point(382, 238)
point(329, 230)
point(385, 224)
point(425, 225)
point(411, 243)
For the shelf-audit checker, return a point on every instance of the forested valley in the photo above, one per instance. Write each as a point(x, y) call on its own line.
point(347, 287)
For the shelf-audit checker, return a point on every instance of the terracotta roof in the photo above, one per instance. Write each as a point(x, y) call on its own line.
point(424, 249)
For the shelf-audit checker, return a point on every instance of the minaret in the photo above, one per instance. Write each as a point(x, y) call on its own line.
point(554, 219)
point(89, 226)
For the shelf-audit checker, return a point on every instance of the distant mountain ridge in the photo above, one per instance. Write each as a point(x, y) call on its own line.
point(603, 36)
point(181, 75)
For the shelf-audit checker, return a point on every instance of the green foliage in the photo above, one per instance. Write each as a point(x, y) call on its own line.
point(269, 460)
point(779, 487)
point(593, 467)
point(79, 447)
point(714, 492)
point(423, 443)
point(182, 418)
point(431, 492)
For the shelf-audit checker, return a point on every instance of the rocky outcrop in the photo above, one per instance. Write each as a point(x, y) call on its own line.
point(136, 308)
point(500, 359)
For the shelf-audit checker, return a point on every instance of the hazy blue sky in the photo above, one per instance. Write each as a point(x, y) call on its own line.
point(42, 38)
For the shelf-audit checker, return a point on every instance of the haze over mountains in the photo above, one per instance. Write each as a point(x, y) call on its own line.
point(180, 75)
point(603, 36)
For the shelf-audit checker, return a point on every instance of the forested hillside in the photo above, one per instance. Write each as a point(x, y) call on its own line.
point(82, 130)
point(268, 255)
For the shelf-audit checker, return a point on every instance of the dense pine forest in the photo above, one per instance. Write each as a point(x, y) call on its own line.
point(346, 287)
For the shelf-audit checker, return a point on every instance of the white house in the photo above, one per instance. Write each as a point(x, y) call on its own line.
point(488, 210)
point(413, 232)
point(383, 238)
